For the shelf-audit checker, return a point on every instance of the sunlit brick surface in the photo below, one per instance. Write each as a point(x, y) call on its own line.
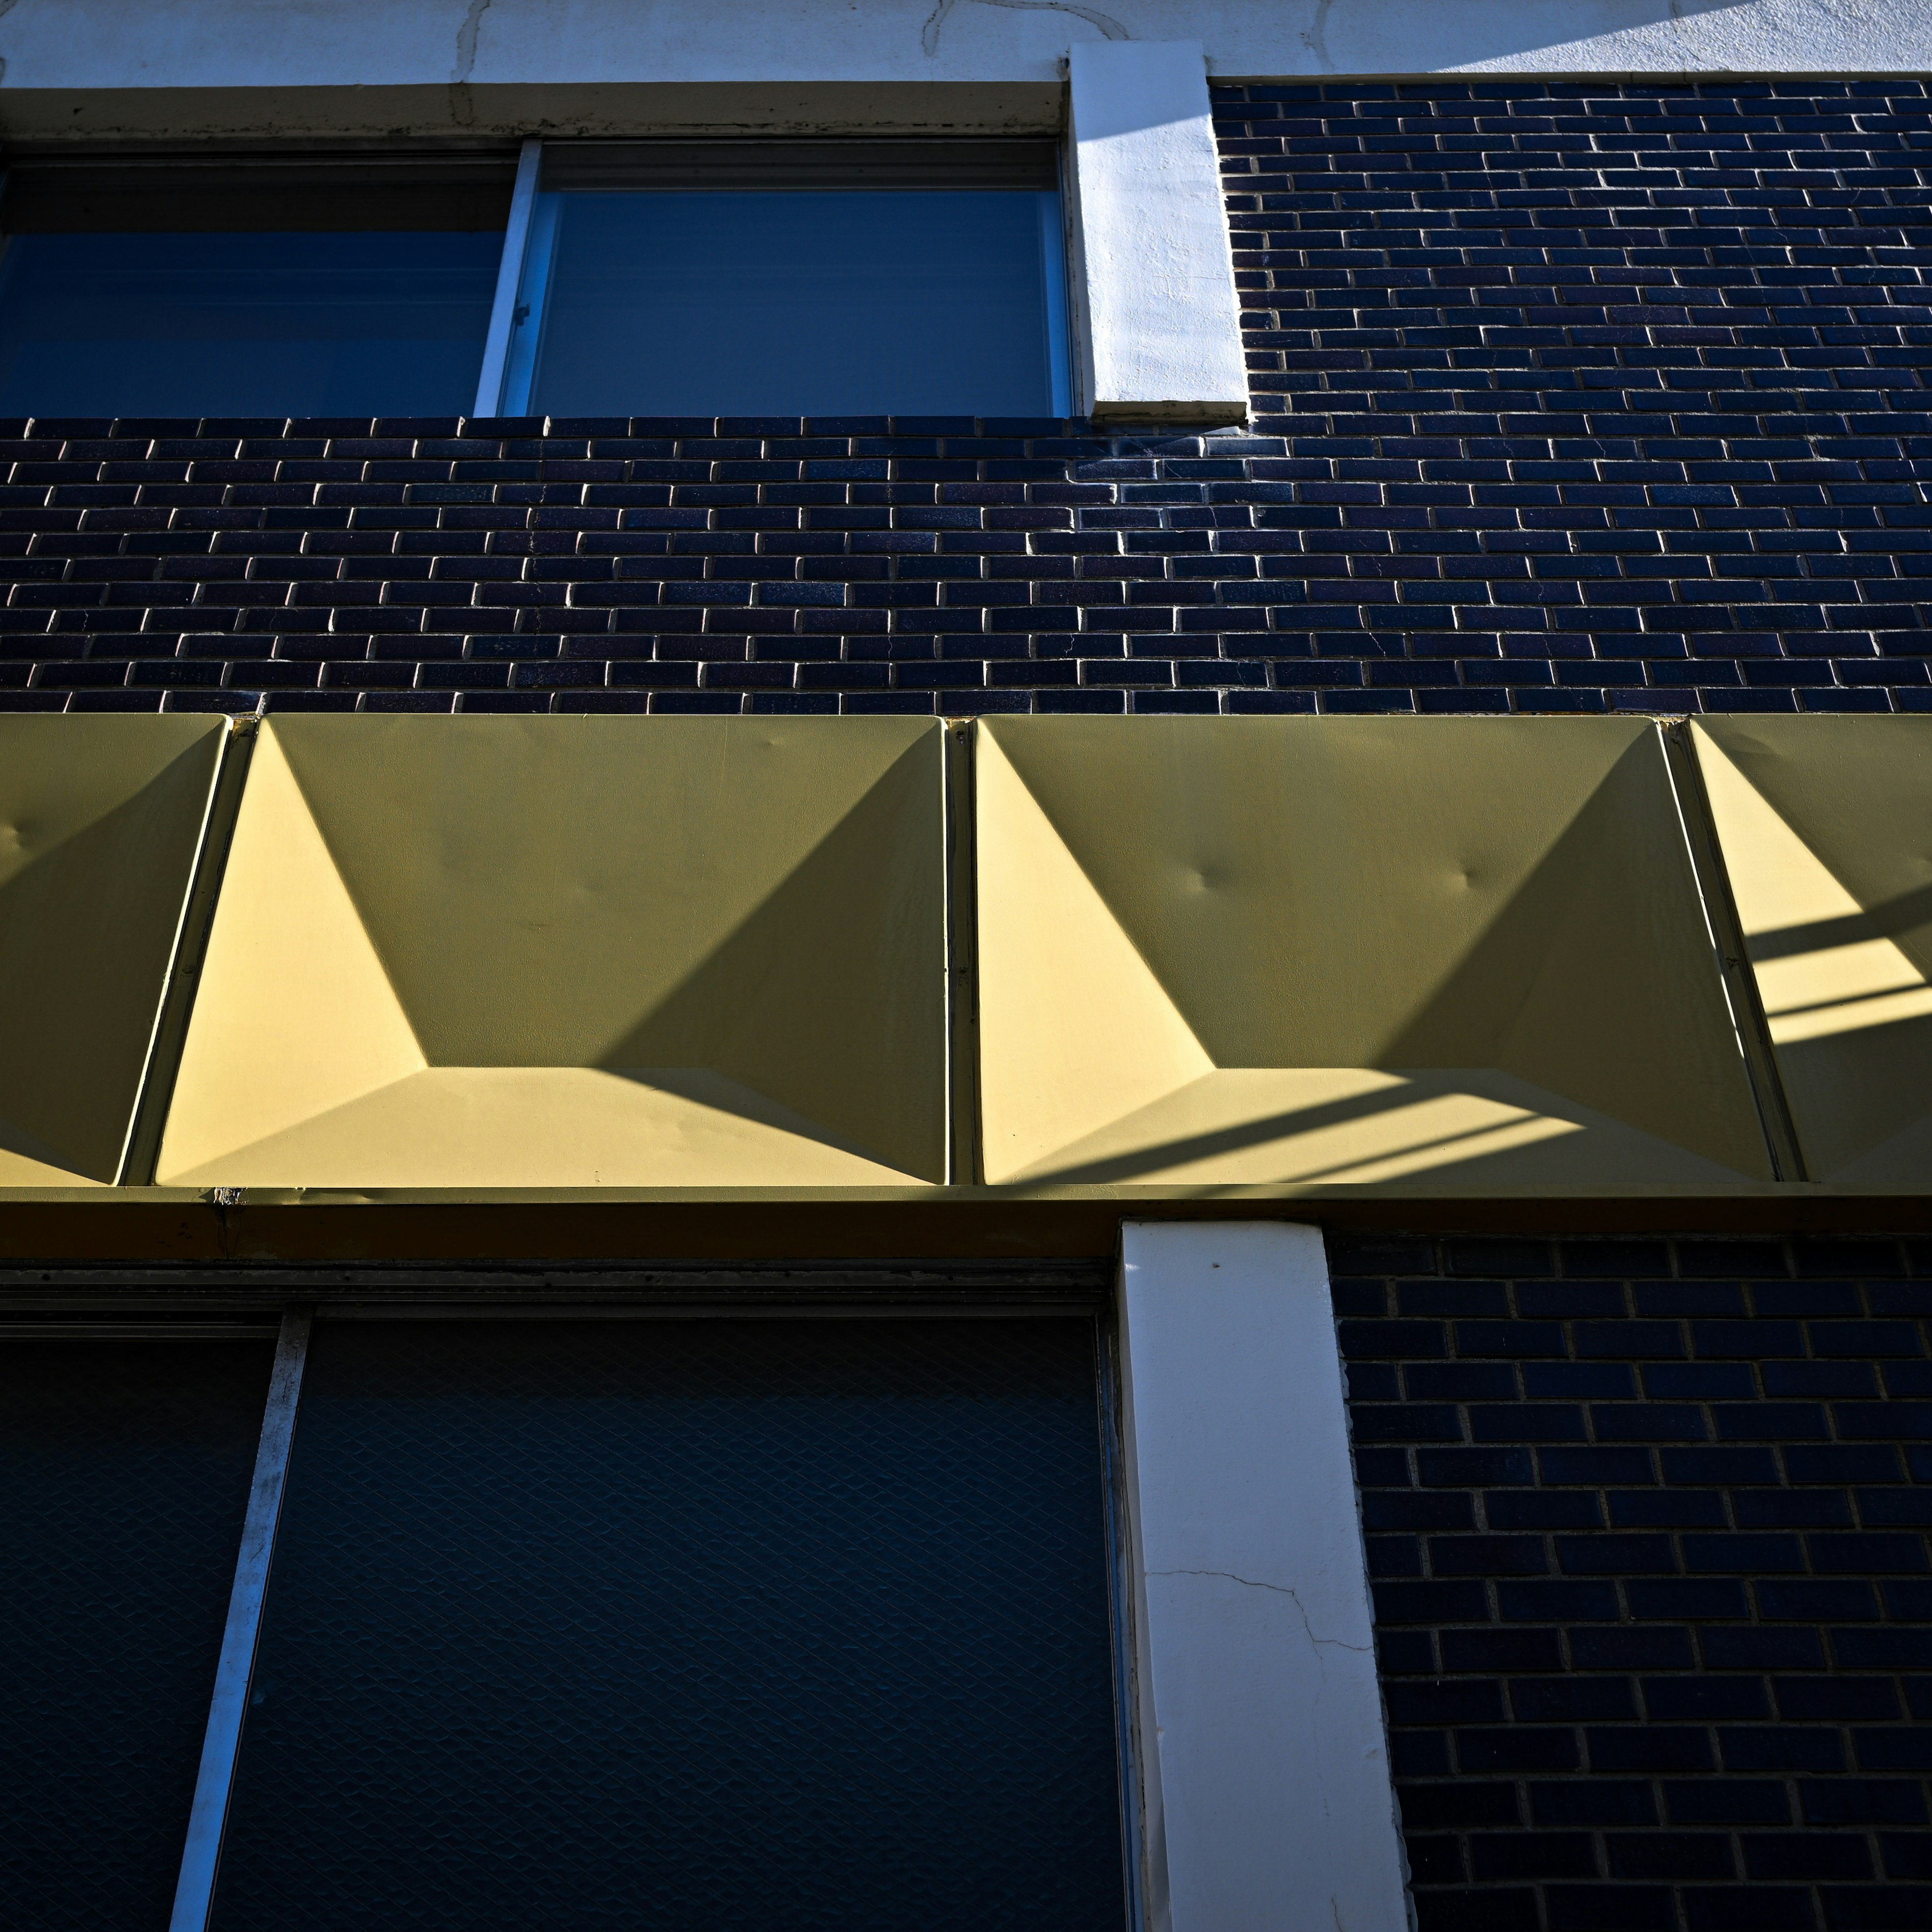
point(1568, 397)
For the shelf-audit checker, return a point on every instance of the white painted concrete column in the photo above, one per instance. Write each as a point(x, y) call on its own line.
point(1161, 326)
point(1266, 1800)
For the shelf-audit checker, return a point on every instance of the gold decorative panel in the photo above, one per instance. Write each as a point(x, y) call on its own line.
point(1468, 954)
point(554, 952)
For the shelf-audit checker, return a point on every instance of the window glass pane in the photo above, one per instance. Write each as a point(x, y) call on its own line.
point(798, 304)
point(124, 1469)
point(367, 323)
point(686, 1625)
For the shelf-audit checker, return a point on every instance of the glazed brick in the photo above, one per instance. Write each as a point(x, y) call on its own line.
point(1668, 1681)
point(1566, 397)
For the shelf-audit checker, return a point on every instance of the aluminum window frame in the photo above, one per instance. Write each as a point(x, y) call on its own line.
point(1220, 1493)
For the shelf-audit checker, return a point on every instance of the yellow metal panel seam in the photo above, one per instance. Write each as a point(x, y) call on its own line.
point(1825, 824)
point(1740, 987)
point(964, 1160)
point(217, 834)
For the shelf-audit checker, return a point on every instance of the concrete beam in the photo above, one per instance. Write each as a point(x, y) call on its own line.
point(115, 69)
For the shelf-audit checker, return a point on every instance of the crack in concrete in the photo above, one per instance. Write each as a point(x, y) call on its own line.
point(6, 7)
point(462, 108)
point(1280, 1590)
point(466, 41)
point(1315, 37)
point(929, 35)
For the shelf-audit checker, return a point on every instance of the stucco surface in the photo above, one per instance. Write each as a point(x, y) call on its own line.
point(100, 67)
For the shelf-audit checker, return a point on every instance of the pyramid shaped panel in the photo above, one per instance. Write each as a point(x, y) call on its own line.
point(101, 820)
point(575, 951)
point(1465, 954)
point(1825, 824)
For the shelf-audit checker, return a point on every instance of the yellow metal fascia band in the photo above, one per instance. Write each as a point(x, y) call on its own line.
point(1141, 960)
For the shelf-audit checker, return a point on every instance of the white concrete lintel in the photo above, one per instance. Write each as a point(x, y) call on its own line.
point(1265, 1799)
point(78, 46)
point(1159, 324)
point(111, 71)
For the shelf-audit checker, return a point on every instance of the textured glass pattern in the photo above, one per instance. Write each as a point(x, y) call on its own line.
point(702, 303)
point(360, 323)
point(686, 1624)
point(124, 1478)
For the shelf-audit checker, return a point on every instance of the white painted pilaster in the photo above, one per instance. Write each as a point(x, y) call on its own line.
point(1266, 1800)
point(1160, 325)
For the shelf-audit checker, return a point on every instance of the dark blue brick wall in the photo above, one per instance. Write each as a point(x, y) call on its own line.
point(1595, 395)
point(1568, 397)
point(1648, 1525)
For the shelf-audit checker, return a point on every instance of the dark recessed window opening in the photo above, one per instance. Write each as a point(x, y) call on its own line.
point(685, 1625)
point(624, 279)
point(177, 288)
point(672, 1624)
point(124, 1469)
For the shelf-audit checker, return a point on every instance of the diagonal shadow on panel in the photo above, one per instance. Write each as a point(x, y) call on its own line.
point(1380, 1102)
point(1822, 845)
point(86, 926)
point(804, 1045)
point(1582, 1034)
point(808, 1000)
point(1577, 986)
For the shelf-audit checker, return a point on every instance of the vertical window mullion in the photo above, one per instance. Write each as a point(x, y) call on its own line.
point(1053, 278)
point(1134, 1789)
point(532, 304)
point(509, 281)
point(195, 1892)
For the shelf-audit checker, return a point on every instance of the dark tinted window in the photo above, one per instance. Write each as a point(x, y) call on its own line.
point(196, 323)
point(124, 1469)
point(688, 1626)
point(814, 302)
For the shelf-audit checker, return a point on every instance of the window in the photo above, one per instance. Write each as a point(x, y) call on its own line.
point(624, 278)
point(174, 288)
point(126, 1465)
point(683, 1621)
point(792, 279)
